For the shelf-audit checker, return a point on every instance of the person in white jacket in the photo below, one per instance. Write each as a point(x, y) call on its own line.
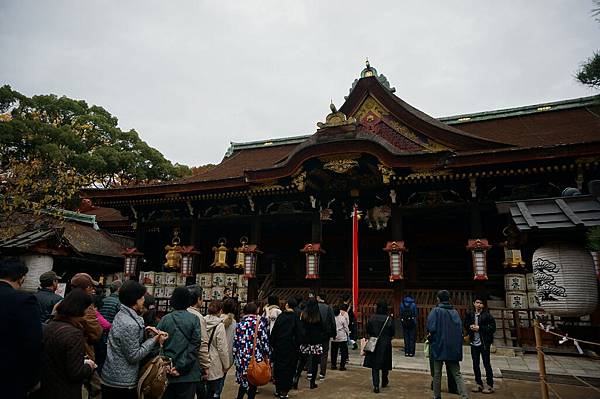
point(272, 311)
point(340, 342)
point(218, 349)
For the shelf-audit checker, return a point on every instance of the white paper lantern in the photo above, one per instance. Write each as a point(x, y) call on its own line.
point(565, 279)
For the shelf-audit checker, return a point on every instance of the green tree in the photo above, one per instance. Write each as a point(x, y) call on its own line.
point(589, 73)
point(51, 146)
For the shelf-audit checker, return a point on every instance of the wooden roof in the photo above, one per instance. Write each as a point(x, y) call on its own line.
point(553, 213)
point(399, 134)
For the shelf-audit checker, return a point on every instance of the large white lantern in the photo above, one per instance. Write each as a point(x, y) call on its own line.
point(565, 279)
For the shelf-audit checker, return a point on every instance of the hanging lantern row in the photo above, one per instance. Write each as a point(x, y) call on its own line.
point(313, 253)
point(478, 248)
point(512, 258)
point(132, 257)
point(395, 250)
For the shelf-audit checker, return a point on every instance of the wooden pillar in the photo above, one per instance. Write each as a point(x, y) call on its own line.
point(255, 232)
point(398, 285)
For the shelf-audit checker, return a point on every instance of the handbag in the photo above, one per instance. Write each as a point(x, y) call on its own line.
point(259, 373)
point(153, 377)
point(426, 348)
point(372, 342)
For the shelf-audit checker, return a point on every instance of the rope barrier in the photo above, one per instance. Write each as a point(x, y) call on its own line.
point(563, 338)
point(552, 389)
point(586, 383)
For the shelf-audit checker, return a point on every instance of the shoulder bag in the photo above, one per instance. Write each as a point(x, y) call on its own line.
point(372, 342)
point(259, 373)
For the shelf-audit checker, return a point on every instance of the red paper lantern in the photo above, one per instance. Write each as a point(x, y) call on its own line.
point(187, 260)
point(313, 253)
point(478, 248)
point(132, 255)
point(395, 250)
point(250, 255)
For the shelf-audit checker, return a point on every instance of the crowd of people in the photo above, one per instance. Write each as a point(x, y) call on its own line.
point(58, 347)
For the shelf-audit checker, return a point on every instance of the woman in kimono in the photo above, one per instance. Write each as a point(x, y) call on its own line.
point(285, 344)
point(243, 345)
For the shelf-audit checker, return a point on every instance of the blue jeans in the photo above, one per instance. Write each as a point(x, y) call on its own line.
point(214, 388)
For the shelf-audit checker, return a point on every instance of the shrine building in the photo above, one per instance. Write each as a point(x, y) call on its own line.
point(427, 191)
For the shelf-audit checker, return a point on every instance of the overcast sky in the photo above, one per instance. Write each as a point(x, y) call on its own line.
point(191, 76)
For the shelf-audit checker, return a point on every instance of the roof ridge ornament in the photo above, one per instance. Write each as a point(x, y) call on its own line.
point(370, 71)
point(336, 118)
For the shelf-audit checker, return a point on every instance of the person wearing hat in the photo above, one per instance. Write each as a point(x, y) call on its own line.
point(46, 294)
point(112, 305)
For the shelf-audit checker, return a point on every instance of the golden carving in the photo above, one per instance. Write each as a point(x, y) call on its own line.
point(267, 187)
point(336, 118)
point(386, 173)
point(299, 180)
point(424, 173)
point(406, 132)
point(370, 105)
point(341, 165)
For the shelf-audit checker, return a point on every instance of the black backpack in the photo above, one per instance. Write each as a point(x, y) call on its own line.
point(407, 316)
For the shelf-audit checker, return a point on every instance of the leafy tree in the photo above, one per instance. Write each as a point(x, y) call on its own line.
point(589, 73)
point(51, 146)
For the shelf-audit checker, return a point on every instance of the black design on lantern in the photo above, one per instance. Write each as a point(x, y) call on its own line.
point(547, 289)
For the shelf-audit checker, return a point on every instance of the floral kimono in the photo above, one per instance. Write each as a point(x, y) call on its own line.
point(243, 343)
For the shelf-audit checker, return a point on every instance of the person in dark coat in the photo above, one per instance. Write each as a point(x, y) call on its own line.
point(64, 366)
point(408, 317)
point(312, 331)
point(46, 294)
point(445, 343)
point(481, 327)
point(285, 344)
point(182, 346)
point(20, 333)
point(380, 325)
point(329, 330)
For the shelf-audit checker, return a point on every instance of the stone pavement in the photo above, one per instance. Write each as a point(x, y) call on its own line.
point(564, 365)
point(356, 383)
